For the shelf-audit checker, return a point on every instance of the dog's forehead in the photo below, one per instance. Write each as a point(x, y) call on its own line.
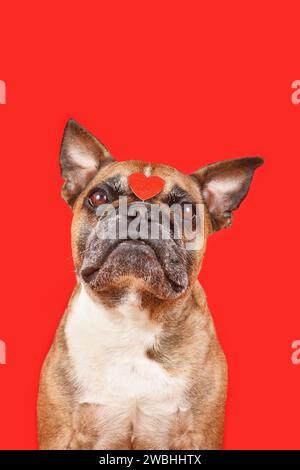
point(120, 171)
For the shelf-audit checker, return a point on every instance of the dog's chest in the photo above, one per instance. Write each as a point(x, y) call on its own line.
point(108, 351)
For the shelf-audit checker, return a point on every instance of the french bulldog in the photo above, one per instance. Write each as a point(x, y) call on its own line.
point(136, 363)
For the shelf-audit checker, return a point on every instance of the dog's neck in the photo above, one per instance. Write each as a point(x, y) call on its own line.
point(121, 328)
point(129, 304)
point(128, 307)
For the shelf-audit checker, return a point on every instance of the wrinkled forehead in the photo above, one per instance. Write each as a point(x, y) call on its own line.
point(120, 171)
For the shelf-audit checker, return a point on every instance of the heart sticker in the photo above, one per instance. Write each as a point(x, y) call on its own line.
point(145, 187)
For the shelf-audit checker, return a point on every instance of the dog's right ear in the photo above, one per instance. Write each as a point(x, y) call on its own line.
point(81, 156)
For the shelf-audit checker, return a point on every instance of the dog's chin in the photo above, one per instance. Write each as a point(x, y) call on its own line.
point(134, 262)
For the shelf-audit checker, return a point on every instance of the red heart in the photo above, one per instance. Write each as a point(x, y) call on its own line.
point(145, 187)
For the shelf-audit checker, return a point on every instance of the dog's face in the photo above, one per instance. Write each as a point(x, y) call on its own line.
point(153, 255)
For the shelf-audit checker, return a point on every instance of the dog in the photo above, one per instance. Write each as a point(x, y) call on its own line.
point(136, 363)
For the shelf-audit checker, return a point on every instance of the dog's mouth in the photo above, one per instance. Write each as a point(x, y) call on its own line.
point(145, 261)
point(91, 272)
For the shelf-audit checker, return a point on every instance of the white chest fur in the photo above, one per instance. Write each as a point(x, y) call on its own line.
point(108, 351)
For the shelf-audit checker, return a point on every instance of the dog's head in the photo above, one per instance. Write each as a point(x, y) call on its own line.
point(119, 240)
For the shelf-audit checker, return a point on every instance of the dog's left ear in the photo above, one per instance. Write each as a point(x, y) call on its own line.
point(81, 156)
point(224, 185)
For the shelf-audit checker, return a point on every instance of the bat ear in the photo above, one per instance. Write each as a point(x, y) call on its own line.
point(81, 156)
point(224, 185)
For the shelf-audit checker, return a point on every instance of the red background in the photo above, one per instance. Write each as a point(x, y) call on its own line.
point(184, 83)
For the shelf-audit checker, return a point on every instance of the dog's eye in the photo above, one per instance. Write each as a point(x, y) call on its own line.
point(188, 211)
point(97, 198)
